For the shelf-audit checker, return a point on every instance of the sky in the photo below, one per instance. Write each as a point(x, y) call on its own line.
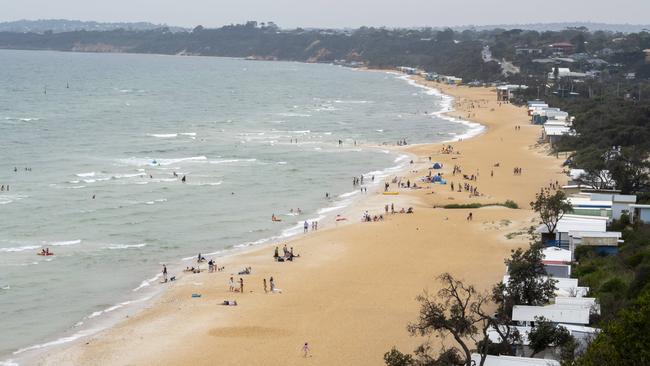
point(332, 13)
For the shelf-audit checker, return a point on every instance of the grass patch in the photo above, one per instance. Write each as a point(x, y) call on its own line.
point(508, 204)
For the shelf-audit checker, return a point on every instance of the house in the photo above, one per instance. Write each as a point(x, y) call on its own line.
point(556, 313)
point(557, 262)
point(647, 55)
point(640, 213)
point(561, 48)
point(431, 76)
point(603, 243)
point(451, 80)
point(588, 205)
point(506, 92)
point(512, 361)
point(563, 286)
point(528, 51)
point(553, 133)
point(565, 72)
point(569, 223)
point(408, 70)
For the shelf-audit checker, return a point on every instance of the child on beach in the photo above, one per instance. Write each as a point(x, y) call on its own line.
point(305, 349)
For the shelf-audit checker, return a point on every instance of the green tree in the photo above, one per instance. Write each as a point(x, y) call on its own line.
point(546, 334)
point(625, 340)
point(629, 169)
point(551, 207)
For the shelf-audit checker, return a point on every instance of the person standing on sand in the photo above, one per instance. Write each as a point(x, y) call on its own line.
point(231, 285)
point(241, 285)
point(305, 350)
point(272, 284)
point(306, 226)
point(164, 273)
point(265, 290)
point(469, 217)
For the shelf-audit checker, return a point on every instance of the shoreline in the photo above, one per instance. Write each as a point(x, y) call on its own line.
point(132, 306)
point(254, 250)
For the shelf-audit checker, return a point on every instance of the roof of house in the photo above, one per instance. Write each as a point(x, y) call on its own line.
point(553, 130)
point(556, 255)
point(571, 314)
point(636, 205)
point(591, 234)
point(569, 223)
point(513, 361)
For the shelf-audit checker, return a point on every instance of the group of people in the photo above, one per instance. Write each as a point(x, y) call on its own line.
point(2, 188)
point(402, 142)
point(447, 149)
point(517, 171)
point(287, 254)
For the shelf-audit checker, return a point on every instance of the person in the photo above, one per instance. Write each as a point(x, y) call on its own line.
point(272, 284)
point(276, 254)
point(306, 226)
point(231, 284)
point(469, 217)
point(183, 179)
point(164, 273)
point(305, 349)
point(265, 290)
point(241, 285)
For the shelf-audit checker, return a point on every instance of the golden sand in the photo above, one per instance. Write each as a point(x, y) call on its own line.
point(352, 291)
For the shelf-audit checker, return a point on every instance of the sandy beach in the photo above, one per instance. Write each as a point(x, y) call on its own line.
point(352, 291)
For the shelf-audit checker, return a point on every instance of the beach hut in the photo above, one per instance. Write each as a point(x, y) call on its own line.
point(436, 166)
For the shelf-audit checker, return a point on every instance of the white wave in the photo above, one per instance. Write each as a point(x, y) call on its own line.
point(379, 130)
point(19, 249)
point(85, 175)
point(353, 101)
point(62, 340)
point(75, 187)
point(73, 181)
point(291, 114)
point(126, 246)
point(188, 133)
point(121, 176)
point(147, 283)
point(206, 183)
point(89, 181)
point(325, 210)
point(163, 135)
point(141, 182)
point(9, 198)
point(226, 161)
point(281, 163)
point(8, 362)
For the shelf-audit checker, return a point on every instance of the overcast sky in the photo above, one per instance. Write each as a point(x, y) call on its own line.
point(332, 13)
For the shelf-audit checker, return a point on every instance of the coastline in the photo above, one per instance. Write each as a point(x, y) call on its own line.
point(71, 353)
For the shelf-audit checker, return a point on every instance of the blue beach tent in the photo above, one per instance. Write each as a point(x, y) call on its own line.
point(437, 166)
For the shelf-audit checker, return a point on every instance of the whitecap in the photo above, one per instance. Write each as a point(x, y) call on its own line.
point(163, 135)
point(85, 175)
point(19, 249)
point(126, 246)
point(62, 243)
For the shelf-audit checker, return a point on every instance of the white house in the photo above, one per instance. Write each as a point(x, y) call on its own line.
point(565, 314)
point(640, 213)
point(570, 223)
point(512, 361)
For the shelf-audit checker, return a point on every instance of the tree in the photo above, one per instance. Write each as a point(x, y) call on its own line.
point(594, 162)
point(629, 169)
point(457, 310)
point(546, 334)
point(625, 340)
point(526, 286)
point(551, 207)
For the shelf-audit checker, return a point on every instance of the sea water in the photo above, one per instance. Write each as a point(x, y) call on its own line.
point(93, 148)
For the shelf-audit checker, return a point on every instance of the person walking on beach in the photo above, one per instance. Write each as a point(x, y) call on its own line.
point(469, 217)
point(231, 285)
point(306, 226)
point(305, 350)
point(164, 273)
point(272, 284)
point(241, 285)
point(265, 290)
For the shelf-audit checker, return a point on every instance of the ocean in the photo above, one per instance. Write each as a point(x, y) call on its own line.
point(93, 148)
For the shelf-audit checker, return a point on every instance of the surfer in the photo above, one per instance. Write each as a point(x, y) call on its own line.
point(183, 179)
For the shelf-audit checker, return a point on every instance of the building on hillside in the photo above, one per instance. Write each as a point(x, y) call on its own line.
point(552, 133)
point(451, 80)
point(563, 287)
point(561, 48)
point(603, 243)
point(528, 51)
point(556, 313)
point(565, 72)
point(640, 213)
point(506, 92)
point(569, 223)
point(647, 55)
point(408, 70)
point(491, 360)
